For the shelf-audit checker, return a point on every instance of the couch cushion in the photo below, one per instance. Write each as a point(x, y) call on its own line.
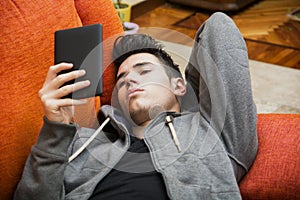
point(275, 173)
point(26, 52)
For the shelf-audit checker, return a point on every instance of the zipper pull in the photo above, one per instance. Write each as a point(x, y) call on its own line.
point(169, 121)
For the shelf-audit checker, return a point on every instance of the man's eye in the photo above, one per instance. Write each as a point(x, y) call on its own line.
point(121, 84)
point(145, 71)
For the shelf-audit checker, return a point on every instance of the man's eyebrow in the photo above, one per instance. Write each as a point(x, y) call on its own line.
point(137, 65)
point(141, 64)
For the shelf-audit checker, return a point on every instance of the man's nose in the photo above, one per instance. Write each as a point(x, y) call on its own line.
point(131, 78)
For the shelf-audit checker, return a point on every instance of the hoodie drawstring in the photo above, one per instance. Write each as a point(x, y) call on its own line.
point(72, 157)
point(169, 121)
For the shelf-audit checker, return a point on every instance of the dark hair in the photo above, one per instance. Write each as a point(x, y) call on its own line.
point(128, 45)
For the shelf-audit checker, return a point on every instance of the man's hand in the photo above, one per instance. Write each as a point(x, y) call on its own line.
point(57, 109)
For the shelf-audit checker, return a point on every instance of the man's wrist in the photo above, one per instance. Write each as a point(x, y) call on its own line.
point(55, 137)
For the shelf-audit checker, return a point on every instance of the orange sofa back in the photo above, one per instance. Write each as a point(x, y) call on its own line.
point(26, 41)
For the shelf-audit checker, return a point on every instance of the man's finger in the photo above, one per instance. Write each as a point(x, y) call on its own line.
point(55, 69)
point(68, 89)
point(70, 102)
point(64, 78)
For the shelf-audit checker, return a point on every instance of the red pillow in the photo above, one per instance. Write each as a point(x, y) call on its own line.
point(275, 173)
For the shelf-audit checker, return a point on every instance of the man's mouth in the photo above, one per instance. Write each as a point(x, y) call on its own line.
point(133, 92)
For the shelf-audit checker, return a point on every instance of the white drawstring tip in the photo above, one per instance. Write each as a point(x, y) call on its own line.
point(169, 121)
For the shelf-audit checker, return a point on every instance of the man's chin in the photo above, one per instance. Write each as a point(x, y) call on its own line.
point(136, 105)
point(139, 116)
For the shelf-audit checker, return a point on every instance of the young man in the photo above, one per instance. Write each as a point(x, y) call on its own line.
point(163, 139)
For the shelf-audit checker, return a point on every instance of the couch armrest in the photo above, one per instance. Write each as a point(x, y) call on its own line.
point(275, 173)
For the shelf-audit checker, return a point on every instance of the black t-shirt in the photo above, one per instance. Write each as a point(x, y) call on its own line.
point(134, 177)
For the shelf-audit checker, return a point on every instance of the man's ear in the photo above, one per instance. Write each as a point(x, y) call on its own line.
point(178, 86)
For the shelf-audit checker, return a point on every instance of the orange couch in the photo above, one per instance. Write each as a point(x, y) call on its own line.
point(26, 42)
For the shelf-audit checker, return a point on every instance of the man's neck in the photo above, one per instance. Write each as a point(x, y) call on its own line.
point(139, 130)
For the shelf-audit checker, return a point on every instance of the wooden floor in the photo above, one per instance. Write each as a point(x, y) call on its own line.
point(270, 36)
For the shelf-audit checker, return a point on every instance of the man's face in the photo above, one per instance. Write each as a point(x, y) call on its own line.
point(143, 86)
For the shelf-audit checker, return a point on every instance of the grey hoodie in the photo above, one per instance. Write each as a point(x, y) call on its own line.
point(217, 138)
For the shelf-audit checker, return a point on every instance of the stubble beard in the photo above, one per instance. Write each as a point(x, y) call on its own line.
point(139, 114)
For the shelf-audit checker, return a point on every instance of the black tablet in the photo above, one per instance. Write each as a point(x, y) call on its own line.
point(82, 46)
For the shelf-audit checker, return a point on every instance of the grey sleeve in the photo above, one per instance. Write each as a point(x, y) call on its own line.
point(43, 174)
point(219, 74)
